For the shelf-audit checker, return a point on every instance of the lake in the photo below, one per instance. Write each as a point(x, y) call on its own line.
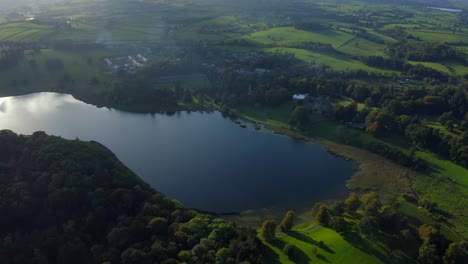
point(445, 9)
point(201, 159)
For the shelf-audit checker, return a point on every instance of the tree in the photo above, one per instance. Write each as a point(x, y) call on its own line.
point(288, 250)
point(451, 254)
point(33, 64)
point(352, 203)
point(338, 208)
point(339, 112)
point(368, 224)
point(323, 215)
point(300, 117)
point(426, 204)
point(133, 256)
point(374, 128)
point(268, 231)
point(314, 250)
point(287, 222)
point(428, 233)
point(428, 254)
point(158, 225)
point(371, 203)
point(464, 138)
point(338, 223)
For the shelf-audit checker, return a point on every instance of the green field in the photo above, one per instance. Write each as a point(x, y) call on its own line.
point(24, 32)
point(448, 67)
point(440, 36)
point(363, 47)
point(336, 61)
point(290, 36)
point(334, 248)
point(76, 66)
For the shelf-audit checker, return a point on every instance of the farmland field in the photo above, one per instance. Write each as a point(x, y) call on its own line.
point(289, 35)
point(24, 32)
point(338, 62)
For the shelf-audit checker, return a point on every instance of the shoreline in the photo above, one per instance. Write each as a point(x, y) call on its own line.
point(368, 164)
point(358, 181)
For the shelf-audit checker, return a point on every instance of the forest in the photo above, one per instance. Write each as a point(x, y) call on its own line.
point(69, 201)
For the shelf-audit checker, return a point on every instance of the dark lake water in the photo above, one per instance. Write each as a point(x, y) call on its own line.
point(201, 159)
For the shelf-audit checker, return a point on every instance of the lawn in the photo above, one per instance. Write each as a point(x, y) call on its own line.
point(273, 116)
point(289, 36)
point(448, 67)
point(347, 101)
point(441, 36)
point(24, 32)
point(363, 47)
point(336, 61)
point(76, 66)
point(331, 247)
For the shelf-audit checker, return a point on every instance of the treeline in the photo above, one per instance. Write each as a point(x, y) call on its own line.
point(309, 26)
point(10, 58)
point(417, 71)
point(315, 46)
point(140, 91)
point(399, 105)
point(423, 51)
point(398, 115)
point(73, 202)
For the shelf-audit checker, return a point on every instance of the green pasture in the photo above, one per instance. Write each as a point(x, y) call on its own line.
point(440, 36)
point(290, 36)
point(76, 67)
point(331, 247)
point(363, 47)
point(24, 32)
point(336, 61)
point(449, 67)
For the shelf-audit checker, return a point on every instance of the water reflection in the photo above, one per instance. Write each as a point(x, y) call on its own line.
point(201, 159)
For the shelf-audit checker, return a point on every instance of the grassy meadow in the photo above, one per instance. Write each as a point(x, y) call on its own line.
point(330, 245)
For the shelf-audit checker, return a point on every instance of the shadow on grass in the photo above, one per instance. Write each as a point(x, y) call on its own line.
point(299, 256)
point(357, 241)
point(270, 255)
point(369, 246)
point(322, 258)
point(279, 244)
point(307, 239)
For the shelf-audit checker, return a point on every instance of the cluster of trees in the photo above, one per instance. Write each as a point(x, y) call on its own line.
point(398, 113)
point(423, 51)
point(54, 65)
point(433, 250)
point(435, 93)
point(366, 215)
point(315, 46)
point(373, 218)
point(309, 26)
point(73, 202)
point(9, 58)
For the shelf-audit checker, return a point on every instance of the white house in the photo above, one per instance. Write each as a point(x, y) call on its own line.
point(299, 97)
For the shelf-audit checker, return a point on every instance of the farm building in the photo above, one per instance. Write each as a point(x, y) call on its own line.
point(299, 97)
